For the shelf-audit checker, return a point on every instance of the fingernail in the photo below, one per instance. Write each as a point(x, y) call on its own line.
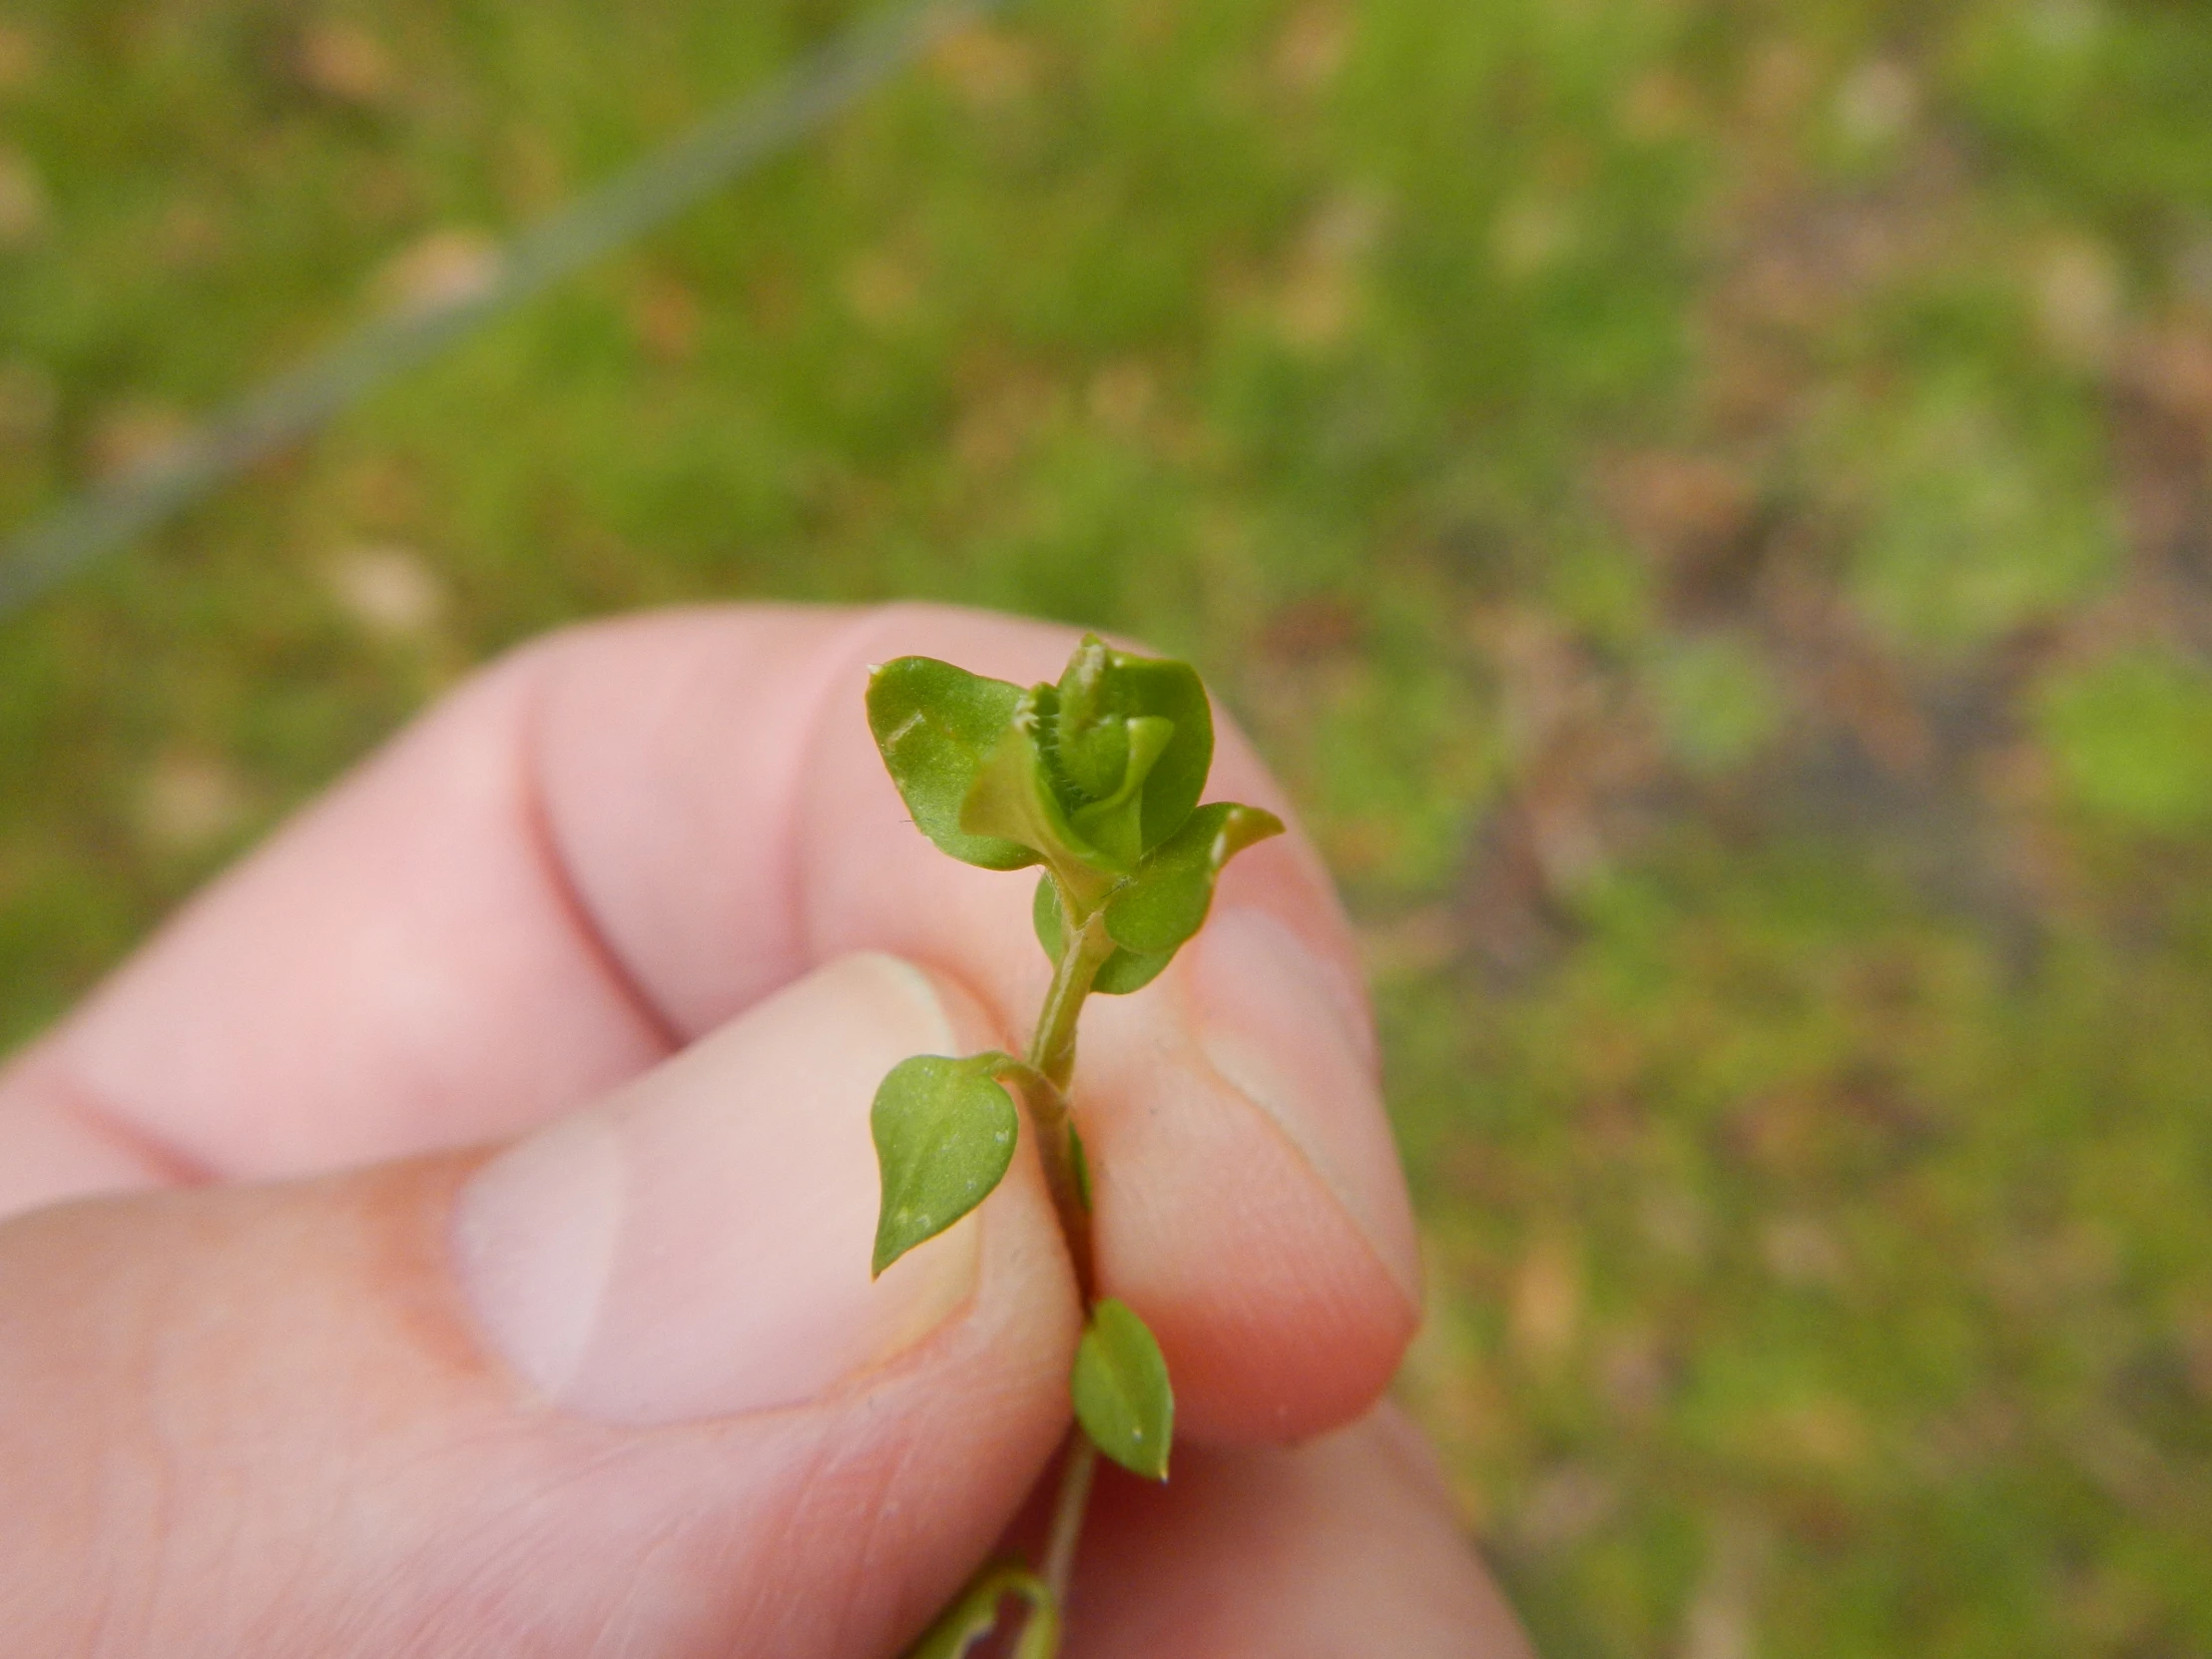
point(1287, 1030)
point(698, 1245)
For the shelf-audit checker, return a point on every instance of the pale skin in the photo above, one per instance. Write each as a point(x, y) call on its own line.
point(283, 1373)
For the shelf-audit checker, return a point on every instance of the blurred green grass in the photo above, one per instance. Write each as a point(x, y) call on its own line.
point(1709, 507)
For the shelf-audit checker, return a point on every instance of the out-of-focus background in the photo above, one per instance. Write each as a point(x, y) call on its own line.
point(1708, 505)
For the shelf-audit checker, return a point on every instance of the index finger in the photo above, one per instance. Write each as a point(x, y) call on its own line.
point(624, 836)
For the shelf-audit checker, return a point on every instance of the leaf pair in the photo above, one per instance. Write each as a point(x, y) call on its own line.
point(1151, 914)
point(1096, 777)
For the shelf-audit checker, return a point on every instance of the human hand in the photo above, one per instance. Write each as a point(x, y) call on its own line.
point(470, 1203)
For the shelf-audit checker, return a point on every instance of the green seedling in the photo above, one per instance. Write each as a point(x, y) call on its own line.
point(1097, 779)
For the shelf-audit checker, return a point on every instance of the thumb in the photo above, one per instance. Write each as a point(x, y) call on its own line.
point(623, 1387)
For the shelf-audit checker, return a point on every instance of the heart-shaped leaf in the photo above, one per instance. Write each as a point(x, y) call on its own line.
point(944, 1133)
point(937, 726)
point(1122, 1396)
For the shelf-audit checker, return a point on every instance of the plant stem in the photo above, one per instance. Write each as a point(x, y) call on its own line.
point(1067, 1515)
point(1052, 1044)
point(1051, 1060)
point(1052, 1057)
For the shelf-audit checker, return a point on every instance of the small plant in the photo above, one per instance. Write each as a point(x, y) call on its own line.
point(1098, 779)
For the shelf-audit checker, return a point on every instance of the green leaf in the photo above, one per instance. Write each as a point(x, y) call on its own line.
point(1122, 972)
point(944, 1133)
point(1013, 798)
point(974, 1615)
point(1116, 822)
point(1150, 915)
point(1127, 726)
point(1089, 775)
point(1125, 971)
point(1166, 902)
point(1122, 1396)
point(936, 725)
point(1090, 737)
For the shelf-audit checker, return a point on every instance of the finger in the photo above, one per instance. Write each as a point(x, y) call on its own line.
point(1345, 1546)
point(408, 964)
point(625, 1387)
point(624, 836)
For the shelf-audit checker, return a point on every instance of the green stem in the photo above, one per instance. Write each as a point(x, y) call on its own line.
point(1051, 1058)
point(1067, 1515)
point(1052, 1044)
point(1050, 1064)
